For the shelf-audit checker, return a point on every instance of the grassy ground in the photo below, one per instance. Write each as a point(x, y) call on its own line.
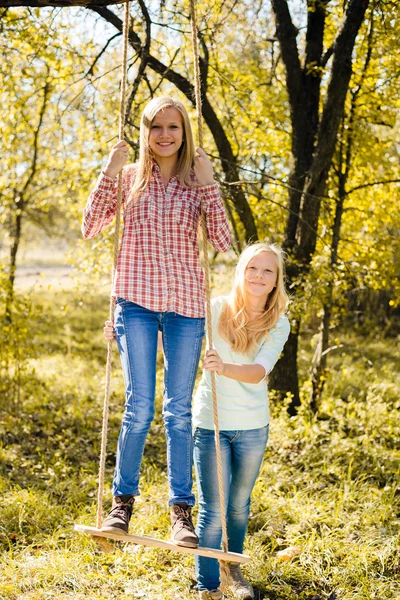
point(329, 486)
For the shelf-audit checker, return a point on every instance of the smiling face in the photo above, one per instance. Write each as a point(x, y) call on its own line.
point(166, 134)
point(260, 276)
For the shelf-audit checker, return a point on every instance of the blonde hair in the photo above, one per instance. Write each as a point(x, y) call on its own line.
point(235, 325)
point(186, 154)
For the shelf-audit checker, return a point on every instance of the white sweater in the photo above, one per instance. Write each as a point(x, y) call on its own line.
point(240, 405)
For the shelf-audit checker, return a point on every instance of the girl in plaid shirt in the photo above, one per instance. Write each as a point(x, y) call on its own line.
point(159, 286)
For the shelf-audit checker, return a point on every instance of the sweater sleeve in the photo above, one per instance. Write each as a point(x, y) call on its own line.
point(217, 222)
point(102, 202)
point(269, 352)
point(217, 305)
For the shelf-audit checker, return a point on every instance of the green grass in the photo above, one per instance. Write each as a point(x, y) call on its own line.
point(329, 485)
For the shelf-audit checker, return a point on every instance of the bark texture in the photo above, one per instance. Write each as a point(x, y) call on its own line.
point(314, 136)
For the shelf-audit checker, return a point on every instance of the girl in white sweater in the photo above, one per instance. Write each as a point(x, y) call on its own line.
point(249, 332)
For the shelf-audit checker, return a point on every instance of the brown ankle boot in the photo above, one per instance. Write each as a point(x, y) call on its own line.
point(117, 520)
point(183, 533)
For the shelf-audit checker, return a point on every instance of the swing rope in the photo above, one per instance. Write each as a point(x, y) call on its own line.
point(197, 87)
point(121, 130)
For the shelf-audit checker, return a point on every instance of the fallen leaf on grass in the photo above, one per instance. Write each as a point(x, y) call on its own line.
point(289, 553)
point(103, 544)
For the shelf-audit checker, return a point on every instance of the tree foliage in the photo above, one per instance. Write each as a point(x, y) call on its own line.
point(290, 92)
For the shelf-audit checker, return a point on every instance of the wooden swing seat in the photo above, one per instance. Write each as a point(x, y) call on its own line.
point(163, 544)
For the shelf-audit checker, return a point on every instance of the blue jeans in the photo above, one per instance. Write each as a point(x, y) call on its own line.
point(241, 454)
point(136, 331)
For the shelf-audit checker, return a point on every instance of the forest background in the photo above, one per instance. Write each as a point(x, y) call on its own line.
point(301, 107)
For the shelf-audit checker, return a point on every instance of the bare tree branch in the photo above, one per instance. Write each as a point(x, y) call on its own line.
point(371, 184)
point(327, 55)
point(330, 120)
point(286, 33)
point(92, 66)
point(144, 57)
point(46, 95)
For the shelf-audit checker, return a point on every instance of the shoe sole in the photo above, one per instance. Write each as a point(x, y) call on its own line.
point(184, 544)
point(122, 532)
point(114, 530)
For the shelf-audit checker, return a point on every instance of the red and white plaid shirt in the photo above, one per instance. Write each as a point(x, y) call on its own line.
point(158, 263)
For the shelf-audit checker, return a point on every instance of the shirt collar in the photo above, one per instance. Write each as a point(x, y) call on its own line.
point(157, 171)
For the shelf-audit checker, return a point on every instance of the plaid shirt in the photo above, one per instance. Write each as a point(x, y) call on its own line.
point(158, 263)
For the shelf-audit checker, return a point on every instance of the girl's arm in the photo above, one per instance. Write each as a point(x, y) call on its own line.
point(272, 348)
point(101, 205)
point(264, 360)
point(217, 222)
point(245, 373)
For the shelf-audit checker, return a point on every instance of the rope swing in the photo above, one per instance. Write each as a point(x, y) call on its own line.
point(121, 131)
point(222, 555)
point(197, 87)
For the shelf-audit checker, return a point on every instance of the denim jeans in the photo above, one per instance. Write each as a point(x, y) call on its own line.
point(136, 331)
point(241, 454)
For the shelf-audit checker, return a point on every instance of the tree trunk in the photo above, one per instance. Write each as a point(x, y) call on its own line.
point(320, 361)
point(318, 376)
point(284, 380)
point(313, 144)
point(303, 86)
point(16, 239)
point(21, 200)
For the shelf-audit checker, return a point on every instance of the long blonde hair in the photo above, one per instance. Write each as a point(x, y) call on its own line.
point(235, 325)
point(186, 152)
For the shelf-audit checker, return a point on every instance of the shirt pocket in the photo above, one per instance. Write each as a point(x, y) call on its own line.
point(185, 212)
point(141, 209)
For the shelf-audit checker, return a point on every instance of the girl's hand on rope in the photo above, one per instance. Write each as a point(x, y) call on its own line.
point(213, 362)
point(117, 159)
point(203, 168)
point(108, 331)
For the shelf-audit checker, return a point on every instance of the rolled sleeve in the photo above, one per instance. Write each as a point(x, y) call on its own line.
point(102, 203)
point(271, 349)
point(217, 222)
point(100, 208)
point(263, 362)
